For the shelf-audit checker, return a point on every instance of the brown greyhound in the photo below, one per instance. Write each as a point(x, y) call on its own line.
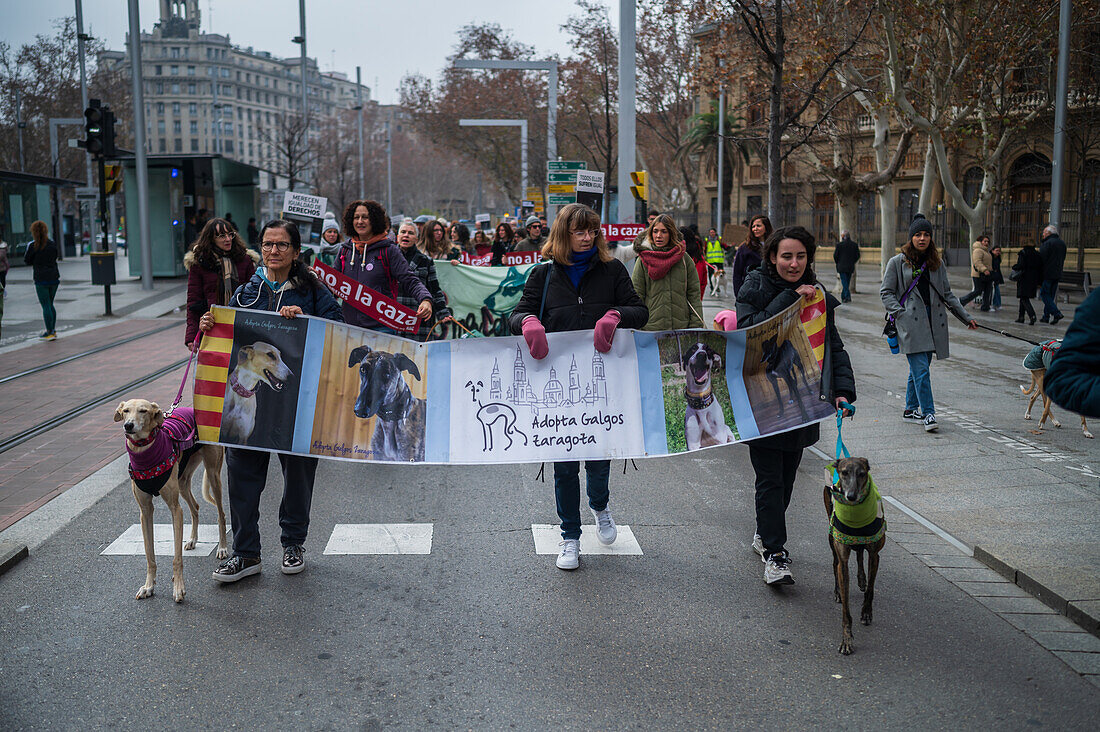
point(855, 522)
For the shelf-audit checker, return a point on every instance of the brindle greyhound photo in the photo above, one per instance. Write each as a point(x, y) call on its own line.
point(383, 393)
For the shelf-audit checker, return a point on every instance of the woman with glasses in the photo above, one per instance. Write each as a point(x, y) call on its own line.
point(666, 278)
point(582, 287)
point(218, 263)
point(433, 240)
point(286, 286)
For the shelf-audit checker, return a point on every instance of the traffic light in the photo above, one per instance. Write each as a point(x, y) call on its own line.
point(112, 176)
point(93, 127)
point(640, 189)
point(109, 150)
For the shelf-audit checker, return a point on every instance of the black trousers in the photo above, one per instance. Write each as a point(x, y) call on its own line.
point(775, 472)
point(982, 286)
point(247, 479)
point(1025, 308)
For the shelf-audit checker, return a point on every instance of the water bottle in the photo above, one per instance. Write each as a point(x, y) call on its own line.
point(892, 341)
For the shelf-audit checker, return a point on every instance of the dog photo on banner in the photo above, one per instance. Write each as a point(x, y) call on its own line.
point(698, 411)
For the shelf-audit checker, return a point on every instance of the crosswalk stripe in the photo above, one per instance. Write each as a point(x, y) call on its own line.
point(547, 536)
point(130, 542)
point(380, 539)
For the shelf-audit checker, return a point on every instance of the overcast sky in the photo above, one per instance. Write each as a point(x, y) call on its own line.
point(388, 39)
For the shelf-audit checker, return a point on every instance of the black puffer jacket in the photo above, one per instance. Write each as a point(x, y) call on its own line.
point(605, 286)
point(764, 295)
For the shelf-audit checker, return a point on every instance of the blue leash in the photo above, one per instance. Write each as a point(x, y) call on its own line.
point(840, 446)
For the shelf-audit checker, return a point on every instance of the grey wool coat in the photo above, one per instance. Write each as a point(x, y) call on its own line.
point(915, 333)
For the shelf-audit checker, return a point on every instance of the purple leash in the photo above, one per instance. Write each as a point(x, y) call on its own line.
point(183, 383)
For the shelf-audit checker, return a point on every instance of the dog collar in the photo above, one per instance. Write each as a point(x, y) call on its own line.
point(699, 401)
point(246, 393)
point(147, 441)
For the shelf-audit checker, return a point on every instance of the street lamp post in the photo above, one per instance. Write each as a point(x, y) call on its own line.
point(551, 101)
point(359, 107)
point(627, 31)
point(301, 39)
point(521, 123)
point(140, 161)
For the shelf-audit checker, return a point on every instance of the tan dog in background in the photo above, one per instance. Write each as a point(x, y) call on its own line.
point(142, 420)
point(1040, 355)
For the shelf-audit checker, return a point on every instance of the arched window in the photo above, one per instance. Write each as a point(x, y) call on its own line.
point(1028, 205)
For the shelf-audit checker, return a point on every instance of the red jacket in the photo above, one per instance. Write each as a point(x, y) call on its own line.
point(204, 288)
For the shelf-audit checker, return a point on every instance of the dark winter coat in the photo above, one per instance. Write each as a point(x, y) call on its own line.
point(744, 262)
point(605, 286)
point(302, 288)
point(1053, 252)
point(530, 245)
point(204, 287)
point(44, 262)
point(995, 268)
point(1030, 266)
point(763, 295)
point(381, 267)
point(424, 267)
point(1073, 379)
point(845, 255)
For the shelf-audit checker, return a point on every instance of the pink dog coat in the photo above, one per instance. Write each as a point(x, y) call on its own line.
point(170, 444)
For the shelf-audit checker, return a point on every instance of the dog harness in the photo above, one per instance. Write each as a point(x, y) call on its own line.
point(856, 524)
point(699, 401)
point(170, 444)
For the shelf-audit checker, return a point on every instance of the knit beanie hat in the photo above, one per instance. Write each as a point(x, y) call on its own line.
point(918, 225)
point(330, 223)
point(531, 220)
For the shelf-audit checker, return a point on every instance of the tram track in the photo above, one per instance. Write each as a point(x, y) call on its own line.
point(47, 425)
point(90, 352)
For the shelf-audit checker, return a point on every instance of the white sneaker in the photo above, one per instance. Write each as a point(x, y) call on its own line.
point(605, 526)
point(758, 546)
point(569, 553)
point(777, 570)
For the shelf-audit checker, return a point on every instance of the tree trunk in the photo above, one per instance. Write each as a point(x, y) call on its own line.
point(888, 210)
point(847, 204)
point(775, 123)
point(928, 182)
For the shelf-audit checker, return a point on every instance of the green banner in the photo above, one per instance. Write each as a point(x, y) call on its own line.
point(481, 298)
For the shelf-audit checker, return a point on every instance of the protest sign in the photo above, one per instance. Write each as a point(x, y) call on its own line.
point(621, 232)
point(347, 393)
point(590, 189)
point(509, 258)
point(308, 212)
point(386, 311)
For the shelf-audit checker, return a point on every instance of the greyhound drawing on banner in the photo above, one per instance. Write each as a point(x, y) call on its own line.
point(491, 413)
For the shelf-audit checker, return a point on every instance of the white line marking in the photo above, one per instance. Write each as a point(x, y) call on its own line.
point(820, 454)
point(929, 525)
point(131, 543)
point(547, 536)
point(380, 539)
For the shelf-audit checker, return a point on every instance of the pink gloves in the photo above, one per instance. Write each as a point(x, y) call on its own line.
point(604, 331)
point(535, 335)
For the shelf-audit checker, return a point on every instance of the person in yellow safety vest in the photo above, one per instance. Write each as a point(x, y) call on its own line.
point(715, 254)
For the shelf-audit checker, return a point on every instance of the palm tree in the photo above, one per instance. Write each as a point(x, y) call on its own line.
point(701, 142)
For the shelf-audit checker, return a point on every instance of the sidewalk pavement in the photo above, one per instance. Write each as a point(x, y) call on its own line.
point(1025, 503)
point(79, 303)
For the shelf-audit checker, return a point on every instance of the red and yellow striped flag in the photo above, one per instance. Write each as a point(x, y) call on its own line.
point(212, 373)
point(813, 322)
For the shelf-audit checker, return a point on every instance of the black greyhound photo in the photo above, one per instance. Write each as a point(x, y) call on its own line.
point(781, 361)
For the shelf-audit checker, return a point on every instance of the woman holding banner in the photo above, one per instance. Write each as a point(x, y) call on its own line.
point(424, 267)
point(667, 280)
point(370, 258)
point(286, 286)
point(784, 277)
point(582, 287)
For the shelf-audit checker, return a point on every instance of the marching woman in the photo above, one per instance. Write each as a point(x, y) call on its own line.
point(433, 240)
point(42, 256)
point(916, 295)
point(503, 241)
point(667, 282)
point(424, 267)
point(218, 263)
point(785, 275)
point(582, 287)
point(749, 255)
point(371, 258)
point(480, 243)
point(460, 242)
point(286, 286)
point(1028, 274)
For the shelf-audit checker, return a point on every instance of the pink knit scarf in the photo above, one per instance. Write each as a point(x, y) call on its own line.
point(658, 262)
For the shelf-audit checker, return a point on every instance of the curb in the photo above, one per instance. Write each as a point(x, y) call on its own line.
point(1079, 615)
point(11, 553)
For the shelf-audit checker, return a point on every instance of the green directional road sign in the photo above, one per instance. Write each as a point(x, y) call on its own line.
point(553, 165)
point(570, 177)
point(560, 200)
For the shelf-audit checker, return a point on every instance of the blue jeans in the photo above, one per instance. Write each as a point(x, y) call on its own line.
point(567, 492)
point(918, 391)
point(1048, 291)
point(845, 281)
point(997, 294)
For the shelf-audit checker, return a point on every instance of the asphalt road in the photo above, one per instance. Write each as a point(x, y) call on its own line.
point(484, 634)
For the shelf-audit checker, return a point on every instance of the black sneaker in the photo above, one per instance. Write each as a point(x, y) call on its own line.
point(236, 568)
point(293, 559)
point(930, 423)
point(912, 415)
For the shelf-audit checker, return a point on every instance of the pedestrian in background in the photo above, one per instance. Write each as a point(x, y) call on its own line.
point(582, 287)
point(1028, 273)
point(749, 253)
point(694, 247)
point(845, 256)
point(503, 241)
point(217, 264)
point(4, 264)
point(42, 256)
point(785, 276)
point(330, 239)
point(371, 258)
point(1052, 250)
point(286, 286)
point(981, 273)
point(433, 240)
point(535, 239)
point(253, 232)
point(480, 243)
point(667, 280)
point(917, 295)
point(424, 267)
point(460, 242)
